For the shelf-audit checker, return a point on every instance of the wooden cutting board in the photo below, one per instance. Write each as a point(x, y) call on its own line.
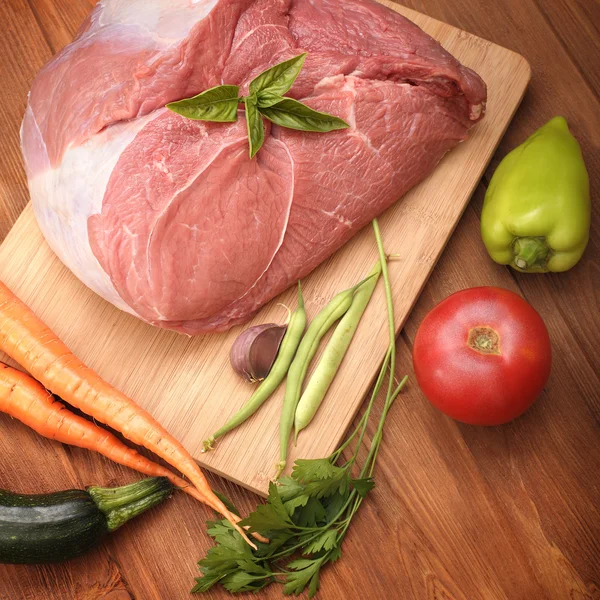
point(187, 383)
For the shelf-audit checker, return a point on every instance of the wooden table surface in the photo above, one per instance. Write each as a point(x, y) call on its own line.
point(459, 512)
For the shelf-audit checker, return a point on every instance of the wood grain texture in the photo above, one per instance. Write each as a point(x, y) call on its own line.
point(459, 513)
point(187, 383)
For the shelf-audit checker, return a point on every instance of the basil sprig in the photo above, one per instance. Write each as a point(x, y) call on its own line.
point(290, 113)
point(218, 104)
point(279, 79)
point(256, 128)
point(265, 99)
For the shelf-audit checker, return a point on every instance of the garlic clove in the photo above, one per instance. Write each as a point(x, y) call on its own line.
point(254, 351)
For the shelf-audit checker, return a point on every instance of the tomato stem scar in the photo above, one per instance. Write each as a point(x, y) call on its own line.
point(484, 340)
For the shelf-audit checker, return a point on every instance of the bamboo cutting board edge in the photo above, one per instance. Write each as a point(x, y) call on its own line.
point(139, 346)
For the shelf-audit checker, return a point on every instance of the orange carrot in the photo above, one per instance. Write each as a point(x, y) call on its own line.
point(27, 340)
point(23, 398)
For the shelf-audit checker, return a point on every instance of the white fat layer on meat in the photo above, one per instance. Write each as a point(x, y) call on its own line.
point(65, 198)
point(170, 20)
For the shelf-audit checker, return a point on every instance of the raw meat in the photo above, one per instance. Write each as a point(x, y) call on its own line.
point(168, 218)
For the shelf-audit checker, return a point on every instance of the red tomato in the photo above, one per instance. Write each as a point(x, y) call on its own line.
point(482, 356)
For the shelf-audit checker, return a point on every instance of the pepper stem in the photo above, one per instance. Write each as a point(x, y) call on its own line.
point(530, 251)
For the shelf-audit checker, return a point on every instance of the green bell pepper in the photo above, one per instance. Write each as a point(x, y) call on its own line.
point(536, 213)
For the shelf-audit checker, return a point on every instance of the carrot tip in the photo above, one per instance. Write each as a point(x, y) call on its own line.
point(260, 538)
point(242, 531)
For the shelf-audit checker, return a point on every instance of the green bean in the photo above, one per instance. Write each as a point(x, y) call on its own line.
point(320, 325)
point(334, 353)
point(278, 371)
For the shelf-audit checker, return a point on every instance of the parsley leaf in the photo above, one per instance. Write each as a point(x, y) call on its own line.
point(326, 541)
point(294, 503)
point(228, 551)
point(335, 554)
point(306, 470)
point(288, 488)
point(363, 486)
point(241, 581)
point(210, 578)
point(304, 571)
point(311, 515)
point(292, 494)
point(300, 563)
point(313, 586)
point(333, 504)
point(337, 482)
point(271, 516)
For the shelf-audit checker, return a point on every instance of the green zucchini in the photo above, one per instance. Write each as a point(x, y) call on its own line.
point(55, 527)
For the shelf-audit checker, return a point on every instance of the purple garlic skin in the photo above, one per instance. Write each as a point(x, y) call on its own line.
point(255, 350)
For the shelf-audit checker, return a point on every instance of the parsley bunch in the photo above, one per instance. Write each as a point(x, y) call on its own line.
point(307, 515)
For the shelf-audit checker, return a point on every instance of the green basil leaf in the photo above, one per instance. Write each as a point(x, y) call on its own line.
point(295, 115)
point(219, 104)
point(278, 79)
point(266, 99)
point(256, 127)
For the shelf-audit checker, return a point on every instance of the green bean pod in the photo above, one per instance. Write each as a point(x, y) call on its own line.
point(320, 325)
point(276, 375)
point(334, 353)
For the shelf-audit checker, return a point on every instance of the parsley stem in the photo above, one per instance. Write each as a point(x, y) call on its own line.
point(390, 303)
point(389, 360)
point(365, 418)
point(378, 437)
point(318, 532)
point(392, 393)
point(376, 391)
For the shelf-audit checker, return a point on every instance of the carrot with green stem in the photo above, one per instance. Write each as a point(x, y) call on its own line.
point(27, 340)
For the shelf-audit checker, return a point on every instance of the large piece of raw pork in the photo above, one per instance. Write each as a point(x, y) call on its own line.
point(168, 218)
